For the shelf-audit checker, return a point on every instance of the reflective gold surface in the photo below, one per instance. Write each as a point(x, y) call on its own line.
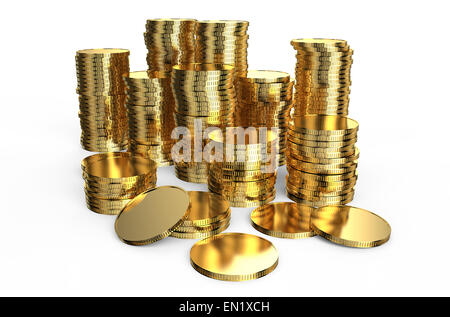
point(206, 208)
point(283, 220)
point(101, 88)
point(150, 108)
point(152, 215)
point(350, 226)
point(321, 159)
point(234, 257)
point(113, 178)
point(322, 76)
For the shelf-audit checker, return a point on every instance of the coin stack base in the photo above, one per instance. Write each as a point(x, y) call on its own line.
point(322, 76)
point(322, 160)
point(248, 179)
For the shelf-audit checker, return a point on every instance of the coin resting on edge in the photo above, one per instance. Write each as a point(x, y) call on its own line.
point(283, 220)
point(350, 226)
point(234, 257)
point(152, 215)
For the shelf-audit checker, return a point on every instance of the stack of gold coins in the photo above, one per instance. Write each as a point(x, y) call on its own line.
point(223, 42)
point(244, 173)
point(322, 76)
point(169, 42)
point(150, 107)
point(112, 179)
point(265, 100)
point(209, 214)
point(101, 92)
point(321, 160)
point(204, 97)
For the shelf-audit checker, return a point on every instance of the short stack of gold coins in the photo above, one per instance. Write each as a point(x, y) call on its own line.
point(101, 90)
point(113, 179)
point(322, 76)
point(222, 42)
point(169, 42)
point(204, 97)
point(245, 173)
point(150, 108)
point(322, 159)
point(208, 215)
point(265, 100)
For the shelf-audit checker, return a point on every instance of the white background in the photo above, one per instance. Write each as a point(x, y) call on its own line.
point(51, 244)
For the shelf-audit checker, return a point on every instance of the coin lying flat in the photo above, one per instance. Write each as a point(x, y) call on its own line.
point(234, 257)
point(206, 208)
point(350, 226)
point(152, 215)
point(283, 220)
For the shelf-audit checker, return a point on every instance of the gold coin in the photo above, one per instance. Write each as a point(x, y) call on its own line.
point(105, 206)
point(234, 257)
point(339, 200)
point(152, 215)
point(206, 228)
point(350, 226)
point(283, 220)
point(102, 52)
point(200, 235)
point(122, 166)
point(205, 208)
point(266, 76)
point(324, 125)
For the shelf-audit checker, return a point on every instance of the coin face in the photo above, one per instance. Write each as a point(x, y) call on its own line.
point(267, 76)
point(234, 257)
point(283, 220)
point(116, 165)
point(152, 215)
point(206, 208)
point(350, 226)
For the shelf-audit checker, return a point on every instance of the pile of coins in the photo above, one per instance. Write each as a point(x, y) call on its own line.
point(344, 225)
point(322, 76)
point(113, 179)
point(321, 160)
point(222, 42)
point(204, 97)
point(101, 90)
point(209, 214)
point(169, 42)
point(245, 172)
point(265, 100)
point(150, 107)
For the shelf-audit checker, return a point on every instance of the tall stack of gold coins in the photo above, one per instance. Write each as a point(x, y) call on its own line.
point(101, 90)
point(204, 94)
point(243, 169)
point(322, 76)
point(265, 100)
point(222, 42)
point(208, 215)
point(113, 179)
point(169, 42)
point(150, 107)
point(322, 159)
